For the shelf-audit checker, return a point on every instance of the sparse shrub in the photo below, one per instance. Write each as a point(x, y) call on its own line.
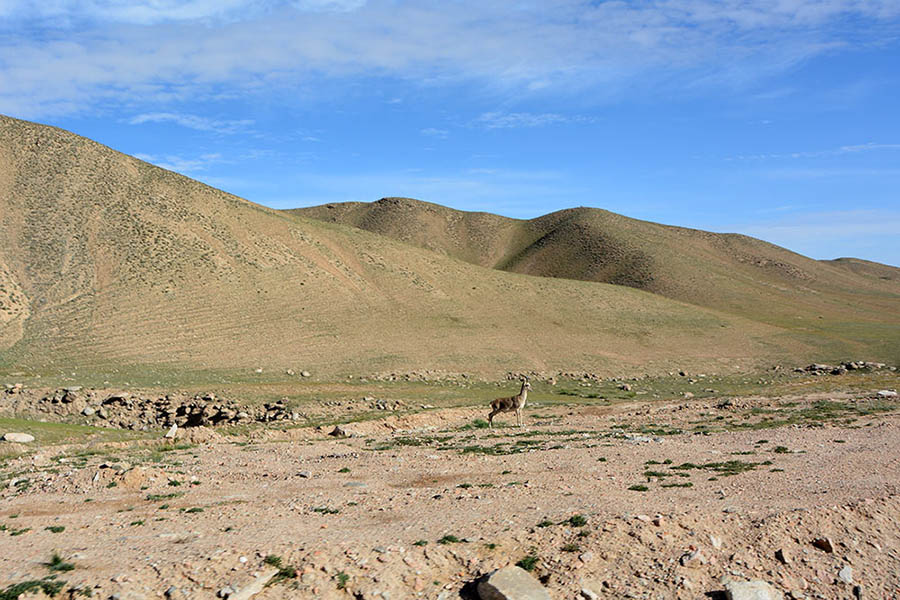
point(195, 509)
point(571, 547)
point(58, 564)
point(639, 488)
point(344, 470)
point(55, 528)
point(342, 579)
point(576, 521)
point(420, 543)
point(528, 562)
point(273, 560)
point(449, 539)
point(781, 450)
point(545, 523)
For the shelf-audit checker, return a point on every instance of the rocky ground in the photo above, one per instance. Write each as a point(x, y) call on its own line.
point(639, 500)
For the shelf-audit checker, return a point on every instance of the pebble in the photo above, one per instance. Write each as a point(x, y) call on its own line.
point(824, 544)
point(846, 574)
point(305, 474)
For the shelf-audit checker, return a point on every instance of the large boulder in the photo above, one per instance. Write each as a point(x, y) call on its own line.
point(21, 438)
point(751, 590)
point(511, 583)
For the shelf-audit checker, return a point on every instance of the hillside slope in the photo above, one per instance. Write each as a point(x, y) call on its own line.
point(731, 273)
point(108, 263)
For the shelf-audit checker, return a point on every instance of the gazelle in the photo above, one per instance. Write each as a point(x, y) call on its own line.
point(513, 403)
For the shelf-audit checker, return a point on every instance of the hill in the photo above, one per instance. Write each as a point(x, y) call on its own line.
point(112, 265)
point(731, 273)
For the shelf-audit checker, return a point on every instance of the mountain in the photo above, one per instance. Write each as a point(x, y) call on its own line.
point(109, 264)
point(730, 273)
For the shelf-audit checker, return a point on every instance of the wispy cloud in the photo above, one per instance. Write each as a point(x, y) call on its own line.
point(67, 55)
point(181, 164)
point(842, 150)
point(193, 122)
point(507, 120)
point(435, 133)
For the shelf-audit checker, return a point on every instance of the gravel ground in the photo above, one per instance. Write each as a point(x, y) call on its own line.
point(364, 516)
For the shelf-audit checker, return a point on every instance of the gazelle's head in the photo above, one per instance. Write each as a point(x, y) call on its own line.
point(525, 383)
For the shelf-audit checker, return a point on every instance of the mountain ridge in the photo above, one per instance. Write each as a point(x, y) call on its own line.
point(108, 263)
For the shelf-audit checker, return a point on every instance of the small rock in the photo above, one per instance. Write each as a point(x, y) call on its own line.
point(751, 590)
point(338, 431)
point(304, 474)
point(782, 557)
point(21, 438)
point(693, 559)
point(225, 592)
point(305, 374)
point(511, 583)
point(89, 411)
point(846, 574)
point(688, 395)
point(716, 542)
point(171, 592)
point(589, 594)
point(170, 435)
point(824, 544)
point(887, 394)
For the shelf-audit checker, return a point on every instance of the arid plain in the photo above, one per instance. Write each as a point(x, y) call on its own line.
point(706, 408)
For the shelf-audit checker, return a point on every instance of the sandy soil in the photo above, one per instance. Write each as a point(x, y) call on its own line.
point(362, 516)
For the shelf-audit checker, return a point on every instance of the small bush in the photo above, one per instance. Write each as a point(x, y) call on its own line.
point(55, 528)
point(639, 488)
point(576, 521)
point(58, 564)
point(528, 563)
point(449, 539)
point(273, 560)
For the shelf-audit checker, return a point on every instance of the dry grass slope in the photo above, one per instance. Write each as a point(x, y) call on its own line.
point(108, 262)
point(847, 300)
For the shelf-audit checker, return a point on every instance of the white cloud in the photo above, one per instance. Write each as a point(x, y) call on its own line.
point(503, 120)
point(193, 122)
point(842, 150)
point(436, 133)
point(181, 164)
point(88, 53)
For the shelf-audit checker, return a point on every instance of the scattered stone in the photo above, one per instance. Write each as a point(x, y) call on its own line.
point(782, 557)
point(305, 374)
point(511, 583)
point(688, 395)
point(693, 559)
point(846, 574)
point(21, 438)
point(716, 542)
point(227, 591)
point(857, 592)
point(625, 387)
point(824, 544)
point(171, 592)
point(887, 394)
point(170, 435)
point(751, 590)
point(89, 411)
point(338, 431)
point(255, 586)
point(589, 594)
point(304, 474)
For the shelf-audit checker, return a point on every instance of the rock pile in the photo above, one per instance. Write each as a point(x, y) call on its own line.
point(844, 367)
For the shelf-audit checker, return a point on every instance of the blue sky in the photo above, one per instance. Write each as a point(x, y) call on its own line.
point(775, 118)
